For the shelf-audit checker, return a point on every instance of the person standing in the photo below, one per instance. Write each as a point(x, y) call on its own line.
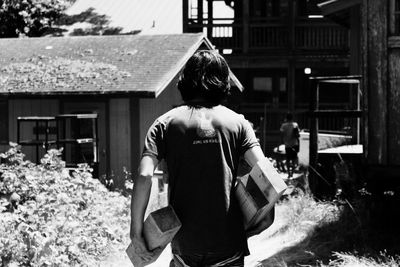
point(201, 142)
point(290, 134)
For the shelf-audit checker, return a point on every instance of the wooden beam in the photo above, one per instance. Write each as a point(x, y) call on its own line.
point(392, 19)
point(185, 15)
point(4, 137)
point(377, 81)
point(200, 11)
point(245, 26)
point(135, 135)
point(355, 41)
point(291, 79)
point(364, 73)
point(394, 108)
point(313, 145)
point(209, 18)
point(291, 84)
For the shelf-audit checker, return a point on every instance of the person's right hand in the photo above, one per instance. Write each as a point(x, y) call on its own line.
point(147, 256)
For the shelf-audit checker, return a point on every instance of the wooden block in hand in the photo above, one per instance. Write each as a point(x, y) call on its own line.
point(160, 227)
point(258, 192)
point(135, 259)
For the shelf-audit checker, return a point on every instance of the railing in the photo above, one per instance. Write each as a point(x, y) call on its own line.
point(273, 117)
point(267, 121)
point(222, 34)
point(274, 34)
point(268, 36)
point(321, 37)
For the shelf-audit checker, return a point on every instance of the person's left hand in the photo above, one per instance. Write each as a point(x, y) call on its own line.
point(263, 224)
point(147, 256)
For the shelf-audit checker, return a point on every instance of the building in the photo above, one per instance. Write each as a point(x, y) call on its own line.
point(375, 30)
point(127, 80)
point(273, 46)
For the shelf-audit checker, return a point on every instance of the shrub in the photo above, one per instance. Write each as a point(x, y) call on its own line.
point(61, 219)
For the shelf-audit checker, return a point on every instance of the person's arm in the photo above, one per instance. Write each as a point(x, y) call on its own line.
point(141, 194)
point(252, 156)
point(140, 200)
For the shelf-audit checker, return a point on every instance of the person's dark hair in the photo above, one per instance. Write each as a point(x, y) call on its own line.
point(289, 116)
point(205, 76)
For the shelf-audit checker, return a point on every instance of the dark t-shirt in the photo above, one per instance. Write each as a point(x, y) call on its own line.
point(202, 147)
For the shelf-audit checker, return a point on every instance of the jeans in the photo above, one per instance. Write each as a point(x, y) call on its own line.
point(208, 260)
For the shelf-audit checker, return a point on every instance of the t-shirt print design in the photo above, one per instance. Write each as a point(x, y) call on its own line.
point(205, 130)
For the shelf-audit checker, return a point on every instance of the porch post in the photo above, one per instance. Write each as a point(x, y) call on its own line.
point(209, 19)
point(200, 12)
point(185, 16)
point(313, 153)
point(291, 85)
point(245, 26)
point(377, 82)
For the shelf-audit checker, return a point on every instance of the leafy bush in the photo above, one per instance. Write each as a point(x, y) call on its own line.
point(60, 219)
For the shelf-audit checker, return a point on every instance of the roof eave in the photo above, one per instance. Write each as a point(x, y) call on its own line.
point(141, 94)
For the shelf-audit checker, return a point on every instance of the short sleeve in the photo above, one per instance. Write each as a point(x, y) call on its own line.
point(154, 143)
point(248, 137)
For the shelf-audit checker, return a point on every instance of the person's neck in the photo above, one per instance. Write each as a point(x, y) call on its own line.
point(200, 102)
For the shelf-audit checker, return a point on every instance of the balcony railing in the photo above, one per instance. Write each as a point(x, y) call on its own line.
point(273, 117)
point(222, 35)
point(268, 36)
point(309, 36)
point(274, 34)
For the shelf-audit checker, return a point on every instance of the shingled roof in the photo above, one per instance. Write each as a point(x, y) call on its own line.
point(140, 65)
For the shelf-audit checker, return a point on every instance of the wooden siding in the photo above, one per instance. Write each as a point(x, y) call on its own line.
point(394, 108)
point(135, 134)
point(3, 124)
point(150, 109)
point(29, 107)
point(120, 137)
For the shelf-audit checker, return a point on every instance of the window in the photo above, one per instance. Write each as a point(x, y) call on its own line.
point(262, 84)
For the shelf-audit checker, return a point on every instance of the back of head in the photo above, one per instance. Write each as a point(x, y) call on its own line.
point(205, 76)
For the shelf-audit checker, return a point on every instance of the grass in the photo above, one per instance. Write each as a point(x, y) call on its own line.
point(348, 259)
point(330, 234)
